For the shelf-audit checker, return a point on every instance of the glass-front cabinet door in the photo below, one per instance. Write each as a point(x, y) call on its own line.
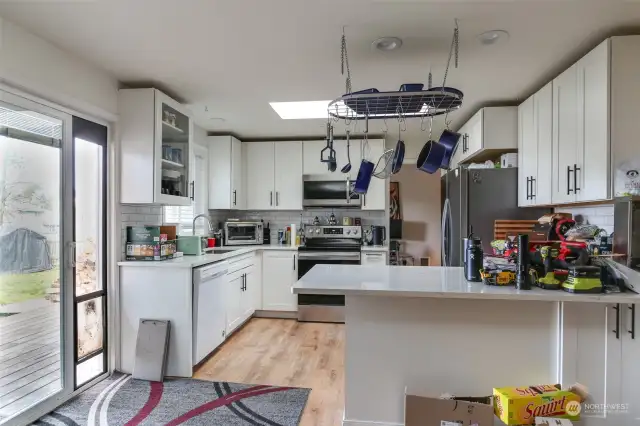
point(174, 137)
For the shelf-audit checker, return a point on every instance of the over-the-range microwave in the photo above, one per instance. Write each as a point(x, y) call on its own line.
point(326, 191)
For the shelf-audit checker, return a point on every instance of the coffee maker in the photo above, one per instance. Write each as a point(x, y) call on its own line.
point(378, 235)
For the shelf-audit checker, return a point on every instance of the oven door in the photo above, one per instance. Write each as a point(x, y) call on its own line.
point(322, 307)
point(318, 192)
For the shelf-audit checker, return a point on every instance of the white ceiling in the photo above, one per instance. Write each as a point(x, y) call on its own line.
point(235, 56)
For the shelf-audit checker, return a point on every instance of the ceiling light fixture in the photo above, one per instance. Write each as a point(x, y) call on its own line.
point(387, 44)
point(492, 37)
point(300, 110)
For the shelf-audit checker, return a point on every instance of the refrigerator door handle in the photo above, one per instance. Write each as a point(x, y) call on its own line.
point(445, 218)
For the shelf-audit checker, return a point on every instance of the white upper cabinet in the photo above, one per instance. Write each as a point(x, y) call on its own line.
point(376, 196)
point(491, 130)
point(288, 175)
point(226, 185)
point(259, 166)
point(594, 148)
point(534, 148)
point(581, 144)
point(273, 174)
point(527, 150)
point(156, 148)
point(311, 164)
point(565, 135)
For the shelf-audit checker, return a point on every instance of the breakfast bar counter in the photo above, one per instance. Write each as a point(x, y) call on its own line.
point(428, 328)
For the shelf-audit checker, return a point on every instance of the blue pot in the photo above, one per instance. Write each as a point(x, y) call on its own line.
point(450, 141)
point(431, 155)
point(364, 177)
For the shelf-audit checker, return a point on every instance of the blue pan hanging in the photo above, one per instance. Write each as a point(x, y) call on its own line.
point(364, 177)
point(431, 155)
point(398, 157)
point(450, 140)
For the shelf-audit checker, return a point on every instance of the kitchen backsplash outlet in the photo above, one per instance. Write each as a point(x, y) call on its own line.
point(601, 216)
point(281, 219)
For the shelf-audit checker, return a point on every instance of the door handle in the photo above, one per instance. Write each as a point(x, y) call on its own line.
point(294, 262)
point(575, 178)
point(271, 198)
point(632, 332)
point(277, 198)
point(71, 249)
point(617, 330)
point(193, 190)
point(533, 195)
point(348, 191)
point(234, 197)
point(528, 193)
point(569, 190)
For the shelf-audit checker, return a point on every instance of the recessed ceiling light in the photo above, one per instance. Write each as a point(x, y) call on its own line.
point(300, 110)
point(492, 37)
point(387, 44)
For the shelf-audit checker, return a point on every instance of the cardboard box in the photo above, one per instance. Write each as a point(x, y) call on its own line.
point(150, 234)
point(521, 405)
point(420, 410)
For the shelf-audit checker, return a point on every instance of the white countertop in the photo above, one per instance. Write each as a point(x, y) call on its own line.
point(425, 281)
point(195, 261)
point(375, 248)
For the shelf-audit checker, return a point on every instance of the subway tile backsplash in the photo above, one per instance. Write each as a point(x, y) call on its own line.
point(138, 215)
point(601, 216)
point(282, 218)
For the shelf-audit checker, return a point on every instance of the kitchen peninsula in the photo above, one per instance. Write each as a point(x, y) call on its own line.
point(428, 328)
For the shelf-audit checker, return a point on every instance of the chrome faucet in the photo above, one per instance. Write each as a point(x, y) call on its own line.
point(206, 216)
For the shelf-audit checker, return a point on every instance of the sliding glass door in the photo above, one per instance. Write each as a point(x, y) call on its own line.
point(52, 256)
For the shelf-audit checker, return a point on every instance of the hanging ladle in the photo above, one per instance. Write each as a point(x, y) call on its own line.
point(347, 167)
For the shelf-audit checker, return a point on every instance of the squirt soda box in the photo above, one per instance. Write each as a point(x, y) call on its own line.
point(521, 405)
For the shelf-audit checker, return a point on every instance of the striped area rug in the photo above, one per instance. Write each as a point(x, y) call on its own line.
point(121, 400)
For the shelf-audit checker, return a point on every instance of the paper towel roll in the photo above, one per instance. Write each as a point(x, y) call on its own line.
point(293, 234)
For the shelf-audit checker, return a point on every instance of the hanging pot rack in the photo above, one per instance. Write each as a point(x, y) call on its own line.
point(373, 104)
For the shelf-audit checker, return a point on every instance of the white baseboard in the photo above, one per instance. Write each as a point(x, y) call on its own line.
point(346, 422)
point(276, 314)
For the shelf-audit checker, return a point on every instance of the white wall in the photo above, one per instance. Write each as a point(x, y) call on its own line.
point(42, 69)
point(421, 209)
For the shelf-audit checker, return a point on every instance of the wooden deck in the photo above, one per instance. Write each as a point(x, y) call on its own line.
point(29, 358)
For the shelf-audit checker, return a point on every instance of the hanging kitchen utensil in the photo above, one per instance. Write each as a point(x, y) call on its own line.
point(431, 155)
point(328, 154)
point(347, 167)
point(450, 141)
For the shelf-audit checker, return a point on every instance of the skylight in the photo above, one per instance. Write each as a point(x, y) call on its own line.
point(300, 110)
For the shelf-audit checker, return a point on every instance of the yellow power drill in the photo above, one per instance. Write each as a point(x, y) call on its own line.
point(549, 280)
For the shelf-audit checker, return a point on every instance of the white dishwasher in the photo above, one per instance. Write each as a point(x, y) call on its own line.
point(209, 313)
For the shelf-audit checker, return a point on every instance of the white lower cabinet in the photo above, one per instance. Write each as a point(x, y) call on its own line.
point(630, 365)
point(374, 258)
point(591, 353)
point(279, 273)
point(234, 300)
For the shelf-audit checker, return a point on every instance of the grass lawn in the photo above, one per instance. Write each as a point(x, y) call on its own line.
point(16, 288)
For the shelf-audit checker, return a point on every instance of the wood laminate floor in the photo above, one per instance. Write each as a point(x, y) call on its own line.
point(287, 353)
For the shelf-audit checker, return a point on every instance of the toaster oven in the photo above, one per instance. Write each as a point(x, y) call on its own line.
point(237, 233)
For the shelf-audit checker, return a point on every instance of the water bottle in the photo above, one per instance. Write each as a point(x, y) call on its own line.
point(473, 260)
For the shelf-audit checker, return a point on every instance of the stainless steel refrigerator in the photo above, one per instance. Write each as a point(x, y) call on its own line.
point(472, 200)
